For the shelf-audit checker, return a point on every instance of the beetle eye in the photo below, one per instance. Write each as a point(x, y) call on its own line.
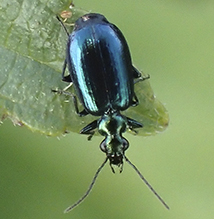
point(103, 146)
point(125, 144)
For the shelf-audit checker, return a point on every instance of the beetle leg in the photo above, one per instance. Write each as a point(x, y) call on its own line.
point(66, 78)
point(63, 25)
point(79, 113)
point(135, 101)
point(133, 124)
point(89, 129)
point(74, 98)
point(143, 78)
point(136, 73)
point(63, 92)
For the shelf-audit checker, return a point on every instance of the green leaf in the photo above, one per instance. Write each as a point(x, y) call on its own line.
point(32, 52)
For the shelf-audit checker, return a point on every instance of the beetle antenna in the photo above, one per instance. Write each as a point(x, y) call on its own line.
point(62, 25)
point(89, 188)
point(147, 183)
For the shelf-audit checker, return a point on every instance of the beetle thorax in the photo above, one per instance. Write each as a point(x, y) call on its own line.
point(112, 125)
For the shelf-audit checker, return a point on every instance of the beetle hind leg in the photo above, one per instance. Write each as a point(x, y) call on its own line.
point(136, 73)
point(138, 76)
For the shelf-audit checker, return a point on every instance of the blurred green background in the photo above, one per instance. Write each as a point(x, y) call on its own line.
point(173, 41)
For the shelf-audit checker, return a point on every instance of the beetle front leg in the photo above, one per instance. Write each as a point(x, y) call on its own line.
point(89, 129)
point(133, 124)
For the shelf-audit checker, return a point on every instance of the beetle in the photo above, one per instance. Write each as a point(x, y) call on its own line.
point(101, 71)
point(102, 74)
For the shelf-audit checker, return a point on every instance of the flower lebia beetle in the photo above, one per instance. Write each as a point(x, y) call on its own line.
point(101, 71)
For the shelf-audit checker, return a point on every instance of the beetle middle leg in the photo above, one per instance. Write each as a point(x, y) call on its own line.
point(66, 78)
point(79, 113)
point(74, 98)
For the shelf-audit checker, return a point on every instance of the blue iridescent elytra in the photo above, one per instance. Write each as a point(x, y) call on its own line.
point(100, 65)
point(101, 71)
